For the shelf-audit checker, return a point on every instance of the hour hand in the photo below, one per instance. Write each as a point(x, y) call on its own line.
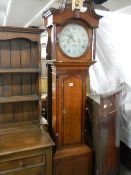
point(71, 36)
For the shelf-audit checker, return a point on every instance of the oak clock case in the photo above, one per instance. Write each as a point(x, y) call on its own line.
point(67, 92)
point(68, 72)
point(73, 40)
point(69, 81)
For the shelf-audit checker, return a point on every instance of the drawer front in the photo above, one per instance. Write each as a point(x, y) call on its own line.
point(30, 171)
point(23, 163)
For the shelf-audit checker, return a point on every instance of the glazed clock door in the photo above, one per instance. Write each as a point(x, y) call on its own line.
point(72, 92)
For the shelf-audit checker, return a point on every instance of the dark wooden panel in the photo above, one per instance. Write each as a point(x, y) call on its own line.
point(52, 119)
point(1, 114)
point(104, 113)
point(5, 54)
point(49, 99)
point(26, 84)
point(6, 92)
point(8, 113)
point(5, 63)
point(1, 105)
point(35, 110)
point(64, 167)
point(15, 53)
point(27, 111)
point(35, 83)
point(73, 161)
point(82, 165)
point(18, 110)
point(34, 55)
point(113, 122)
point(109, 145)
point(72, 110)
point(25, 53)
point(104, 149)
point(7, 85)
point(16, 84)
point(104, 133)
point(1, 85)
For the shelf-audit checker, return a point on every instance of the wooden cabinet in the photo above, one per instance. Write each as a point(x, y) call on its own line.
point(103, 113)
point(25, 148)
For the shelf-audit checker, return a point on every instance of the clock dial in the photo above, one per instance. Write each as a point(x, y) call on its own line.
point(74, 40)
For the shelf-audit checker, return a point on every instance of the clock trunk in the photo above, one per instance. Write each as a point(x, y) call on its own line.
point(68, 103)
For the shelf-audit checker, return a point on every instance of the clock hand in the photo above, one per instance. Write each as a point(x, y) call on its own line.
point(71, 35)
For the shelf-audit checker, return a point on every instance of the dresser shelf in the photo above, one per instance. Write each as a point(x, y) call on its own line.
point(19, 98)
point(20, 70)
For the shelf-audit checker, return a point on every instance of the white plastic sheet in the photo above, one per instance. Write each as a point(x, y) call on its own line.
point(113, 67)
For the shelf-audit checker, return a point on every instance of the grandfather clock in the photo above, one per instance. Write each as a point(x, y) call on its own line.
point(71, 46)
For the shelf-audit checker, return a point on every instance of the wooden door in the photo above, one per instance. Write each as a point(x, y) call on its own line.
point(72, 107)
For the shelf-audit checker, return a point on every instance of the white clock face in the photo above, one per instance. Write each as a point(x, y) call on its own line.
point(74, 40)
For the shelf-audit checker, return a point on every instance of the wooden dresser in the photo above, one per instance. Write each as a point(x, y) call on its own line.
point(25, 147)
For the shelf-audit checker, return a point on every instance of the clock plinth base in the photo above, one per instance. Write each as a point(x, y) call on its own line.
point(73, 161)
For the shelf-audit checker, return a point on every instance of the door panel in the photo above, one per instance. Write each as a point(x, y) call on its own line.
point(72, 110)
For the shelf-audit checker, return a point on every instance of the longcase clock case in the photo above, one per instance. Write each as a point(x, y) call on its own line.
point(67, 91)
